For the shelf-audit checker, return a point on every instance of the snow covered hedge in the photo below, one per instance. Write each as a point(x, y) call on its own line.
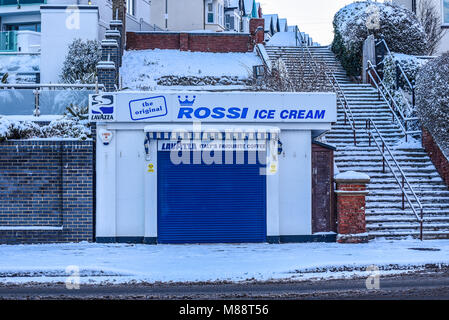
point(411, 66)
point(81, 61)
point(432, 99)
point(398, 26)
point(65, 128)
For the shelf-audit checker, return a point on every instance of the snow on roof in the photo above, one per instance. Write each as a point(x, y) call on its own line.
point(275, 18)
point(248, 6)
point(283, 39)
point(268, 22)
point(283, 24)
point(142, 69)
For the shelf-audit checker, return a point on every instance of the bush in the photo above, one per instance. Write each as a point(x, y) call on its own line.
point(432, 98)
point(65, 128)
point(398, 26)
point(81, 62)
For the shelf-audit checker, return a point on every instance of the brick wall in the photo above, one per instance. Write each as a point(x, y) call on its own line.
point(198, 42)
point(46, 184)
point(351, 193)
point(436, 155)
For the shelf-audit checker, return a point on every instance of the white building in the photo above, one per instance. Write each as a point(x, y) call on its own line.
point(188, 15)
point(47, 27)
point(442, 8)
point(192, 167)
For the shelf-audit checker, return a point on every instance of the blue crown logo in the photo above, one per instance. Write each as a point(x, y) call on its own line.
point(186, 102)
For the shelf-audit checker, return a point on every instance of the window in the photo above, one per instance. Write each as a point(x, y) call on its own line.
point(230, 22)
point(26, 26)
point(446, 12)
point(210, 12)
point(130, 8)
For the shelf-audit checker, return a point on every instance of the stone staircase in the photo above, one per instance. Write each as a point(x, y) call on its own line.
point(384, 214)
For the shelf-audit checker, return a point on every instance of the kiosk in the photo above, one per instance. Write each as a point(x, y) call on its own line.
point(206, 167)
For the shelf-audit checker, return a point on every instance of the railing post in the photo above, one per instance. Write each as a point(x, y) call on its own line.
point(37, 111)
point(406, 129)
point(355, 139)
point(403, 194)
point(421, 225)
point(383, 157)
point(345, 117)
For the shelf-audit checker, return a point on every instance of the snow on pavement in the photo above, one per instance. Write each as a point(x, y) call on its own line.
point(121, 263)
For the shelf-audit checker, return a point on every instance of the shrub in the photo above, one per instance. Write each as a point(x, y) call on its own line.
point(432, 98)
point(65, 128)
point(81, 61)
point(354, 23)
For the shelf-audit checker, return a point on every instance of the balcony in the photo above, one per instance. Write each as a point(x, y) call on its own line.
point(20, 41)
point(8, 41)
point(20, 2)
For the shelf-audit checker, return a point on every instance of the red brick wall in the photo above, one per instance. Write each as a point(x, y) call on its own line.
point(351, 210)
point(199, 42)
point(436, 155)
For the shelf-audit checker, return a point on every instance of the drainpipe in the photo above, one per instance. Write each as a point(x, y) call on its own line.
point(204, 14)
point(166, 14)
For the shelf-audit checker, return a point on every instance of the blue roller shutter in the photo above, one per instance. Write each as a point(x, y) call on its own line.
point(210, 203)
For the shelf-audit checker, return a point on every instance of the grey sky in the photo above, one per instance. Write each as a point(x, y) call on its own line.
point(312, 16)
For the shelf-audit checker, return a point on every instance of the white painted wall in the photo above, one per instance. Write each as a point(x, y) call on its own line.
point(295, 183)
point(127, 192)
point(58, 32)
point(28, 41)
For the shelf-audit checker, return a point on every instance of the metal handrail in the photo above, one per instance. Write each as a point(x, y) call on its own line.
point(335, 85)
point(391, 102)
point(404, 181)
point(382, 41)
point(50, 85)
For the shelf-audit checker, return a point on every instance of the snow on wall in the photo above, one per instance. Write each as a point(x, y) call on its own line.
point(144, 69)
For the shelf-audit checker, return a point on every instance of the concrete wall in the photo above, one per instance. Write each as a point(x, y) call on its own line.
point(58, 32)
point(183, 15)
point(46, 186)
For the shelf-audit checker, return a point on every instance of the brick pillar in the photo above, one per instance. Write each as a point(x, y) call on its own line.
point(107, 75)
point(257, 31)
point(120, 27)
point(110, 52)
point(184, 42)
point(115, 35)
point(351, 193)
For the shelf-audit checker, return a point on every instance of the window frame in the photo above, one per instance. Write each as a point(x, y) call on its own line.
point(444, 23)
point(210, 13)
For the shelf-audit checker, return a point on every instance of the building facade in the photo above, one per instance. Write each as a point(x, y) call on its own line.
point(442, 7)
point(188, 15)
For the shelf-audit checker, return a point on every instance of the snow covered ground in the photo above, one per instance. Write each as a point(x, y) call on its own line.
point(143, 68)
point(122, 263)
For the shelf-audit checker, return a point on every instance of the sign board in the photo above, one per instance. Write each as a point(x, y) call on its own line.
point(263, 107)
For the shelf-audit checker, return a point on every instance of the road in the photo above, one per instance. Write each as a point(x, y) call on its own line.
point(425, 285)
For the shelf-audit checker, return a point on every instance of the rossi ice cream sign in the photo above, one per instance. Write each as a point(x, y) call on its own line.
point(208, 107)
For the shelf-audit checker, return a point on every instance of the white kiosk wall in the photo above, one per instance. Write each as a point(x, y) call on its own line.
point(127, 186)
